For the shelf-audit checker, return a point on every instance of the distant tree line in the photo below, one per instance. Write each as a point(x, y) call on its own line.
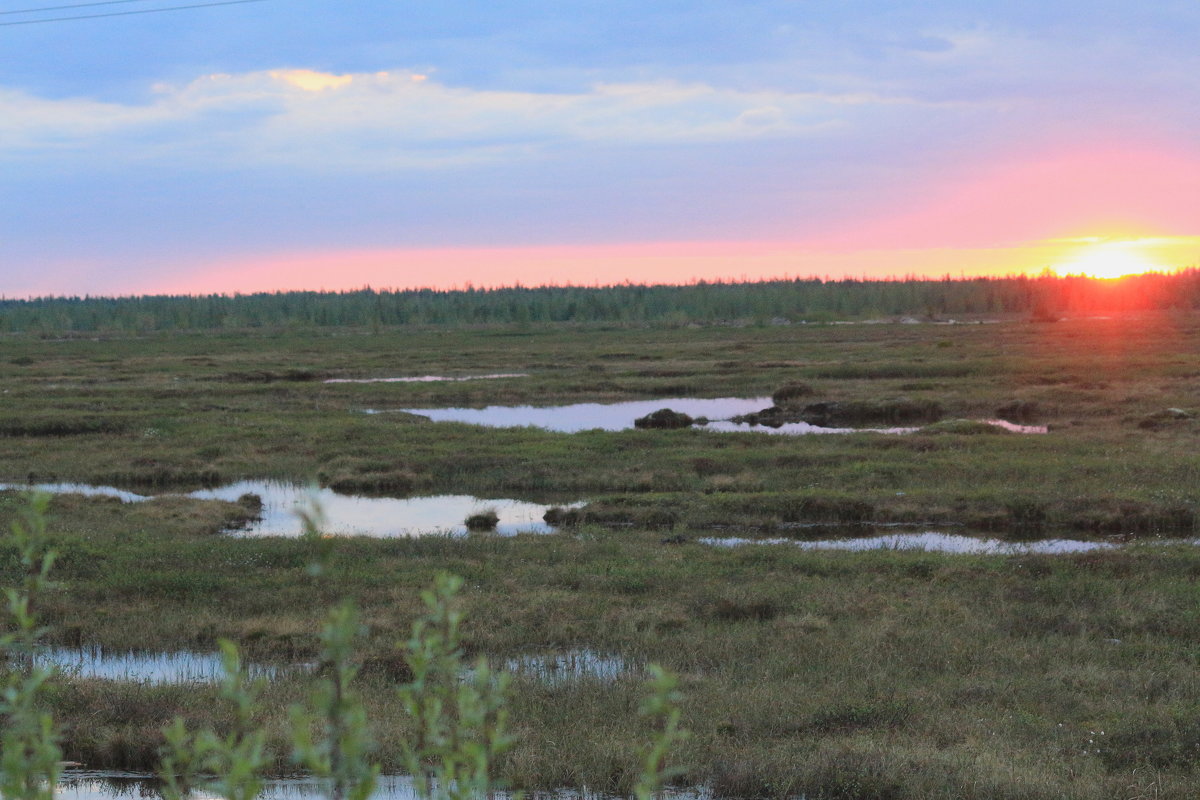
point(762, 302)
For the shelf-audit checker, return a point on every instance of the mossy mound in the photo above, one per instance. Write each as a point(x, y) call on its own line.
point(482, 521)
point(665, 419)
point(963, 427)
point(1165, 418)
point(896, 411)
point(851, 413)
point(790, 395)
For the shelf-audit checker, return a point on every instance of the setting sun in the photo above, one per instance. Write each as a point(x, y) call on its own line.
point(1104, 258)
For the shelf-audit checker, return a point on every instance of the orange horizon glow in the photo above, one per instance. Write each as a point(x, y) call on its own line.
point(1129, 192)
point(1110, 259)
point(1102, 212)
point(670, 263)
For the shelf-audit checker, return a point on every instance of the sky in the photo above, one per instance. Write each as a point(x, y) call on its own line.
point(337, 144)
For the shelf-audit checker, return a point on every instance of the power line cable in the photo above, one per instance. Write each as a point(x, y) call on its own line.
point(73, 5)
point(129, 13)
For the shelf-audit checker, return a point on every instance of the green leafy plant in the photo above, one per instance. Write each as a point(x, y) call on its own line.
point(662, 708)
point(329, 733)
point(458, 716)
point(29, 752)
point(229, 766)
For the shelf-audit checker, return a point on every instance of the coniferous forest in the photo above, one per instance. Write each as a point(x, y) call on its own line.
point(811, 299)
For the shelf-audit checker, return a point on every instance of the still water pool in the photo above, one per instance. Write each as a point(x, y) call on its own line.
point(620, 416)
point(929, 541)
point(80, 784)
point(145, 666)
point(346, 515)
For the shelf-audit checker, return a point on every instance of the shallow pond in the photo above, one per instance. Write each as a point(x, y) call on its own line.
point(620, 416)
point(572, 665)
point(79, 784)
point(346, 515)
point(590, 416)
point(206, 667)
point(142, 666)
point(431, 378)
point(928, 541)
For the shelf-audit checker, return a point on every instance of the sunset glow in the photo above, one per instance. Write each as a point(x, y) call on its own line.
point(594, 144)
point(1099, 258)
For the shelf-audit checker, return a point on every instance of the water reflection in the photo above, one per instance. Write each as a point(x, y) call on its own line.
point(590, 416)
point(345, 515)
point(572, 665)
point(800, 428)
point(79, 784)
point(1015, 428)
point(431, 378)
point(620, 416)
point(929, 541)
point(109, 784)
point(142, 666)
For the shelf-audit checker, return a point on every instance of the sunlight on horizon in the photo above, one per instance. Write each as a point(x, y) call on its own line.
point(1107, 259)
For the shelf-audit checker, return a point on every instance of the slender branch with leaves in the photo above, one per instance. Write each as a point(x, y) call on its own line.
point(661, 707)
point(459, 717)
point(230, 766)
point(330, 735)
point(29, 752)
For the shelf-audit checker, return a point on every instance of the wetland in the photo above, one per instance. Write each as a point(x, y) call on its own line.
point(813, 667)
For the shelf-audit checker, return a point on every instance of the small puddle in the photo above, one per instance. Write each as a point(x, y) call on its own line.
point(572, 665)
point(620, 416)
point(346, 515)
point(143, 666)
point(929, 541)
point(431, 378)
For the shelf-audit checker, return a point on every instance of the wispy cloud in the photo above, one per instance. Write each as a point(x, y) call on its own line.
point(304, 118)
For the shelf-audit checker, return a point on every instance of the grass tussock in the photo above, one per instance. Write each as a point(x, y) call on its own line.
point(664, 419)
point(62, 426)
point(482, 521)
point(792, 394)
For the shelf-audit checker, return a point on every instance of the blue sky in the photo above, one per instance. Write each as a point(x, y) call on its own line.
point(290, 144)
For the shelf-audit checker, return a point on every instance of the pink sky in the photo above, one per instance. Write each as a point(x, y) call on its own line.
point(1024, 215)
